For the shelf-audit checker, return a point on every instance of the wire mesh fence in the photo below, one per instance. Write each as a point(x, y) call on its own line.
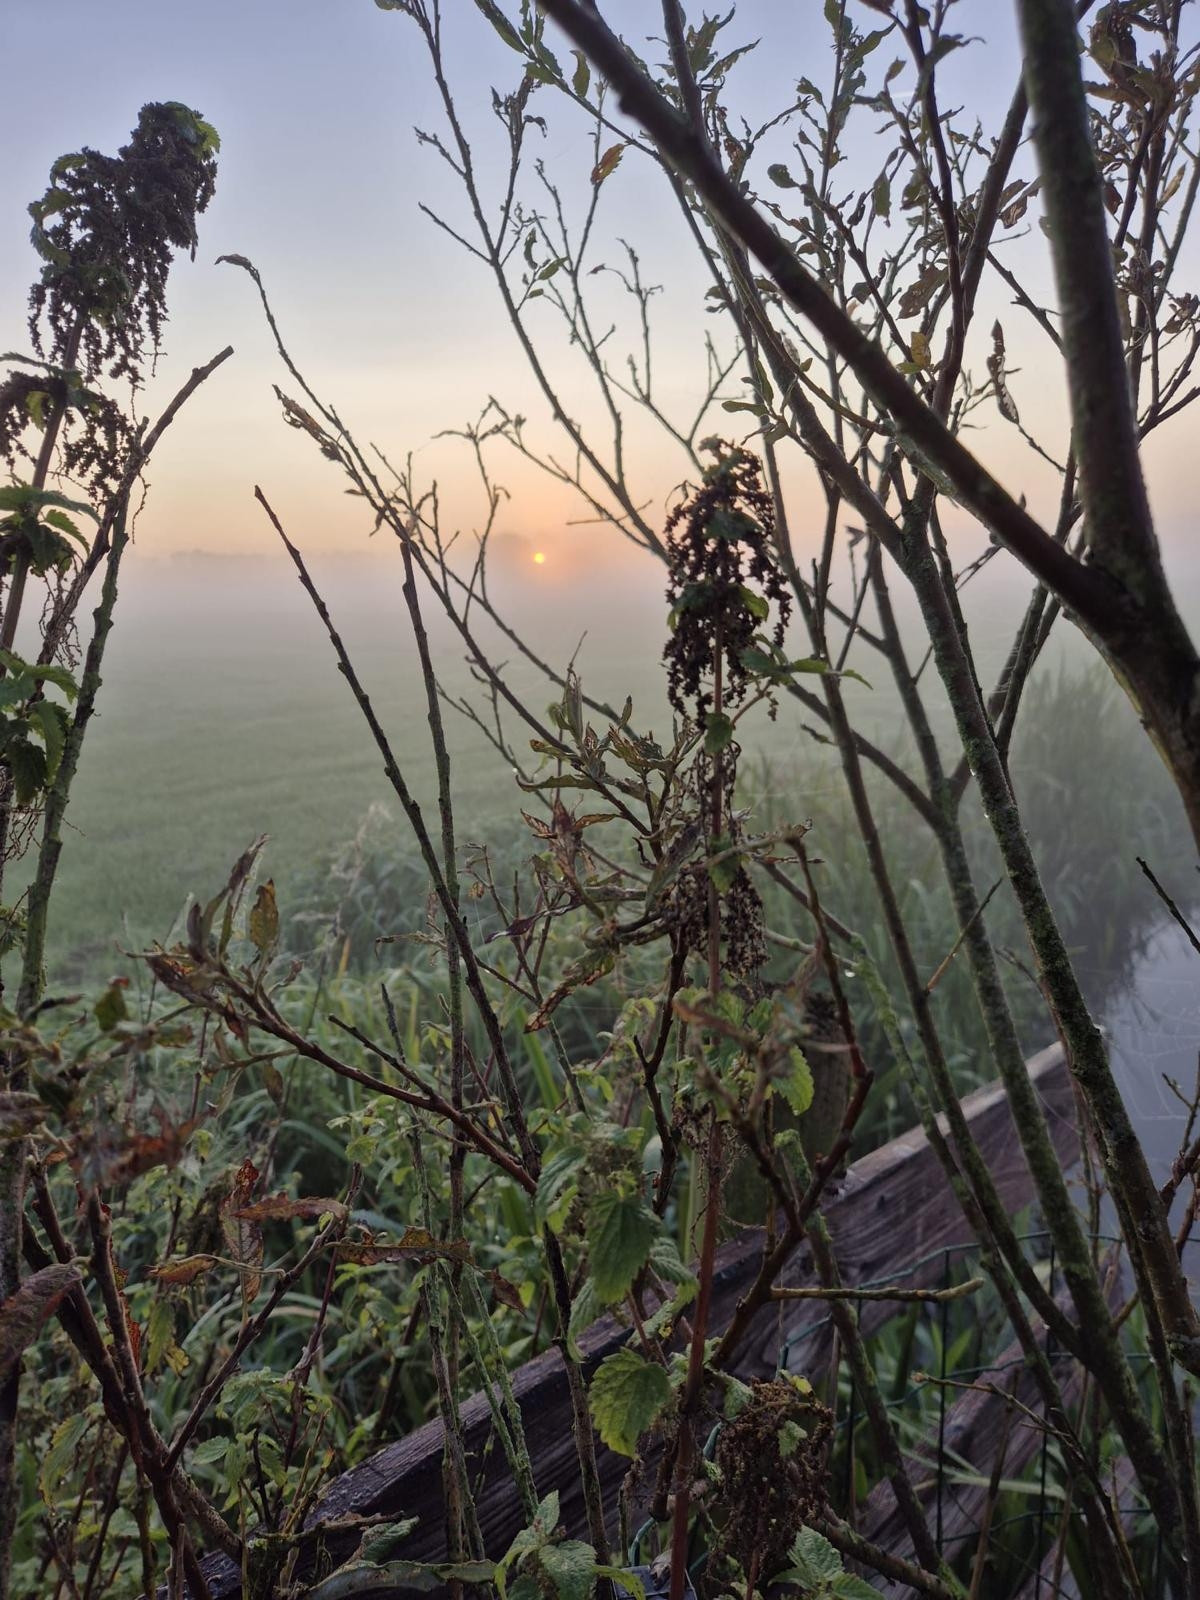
point(992, 1477)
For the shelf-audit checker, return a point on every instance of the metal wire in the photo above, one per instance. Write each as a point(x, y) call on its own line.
point(1044, 1517)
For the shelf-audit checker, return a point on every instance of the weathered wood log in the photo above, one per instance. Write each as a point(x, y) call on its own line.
point(893, 1213)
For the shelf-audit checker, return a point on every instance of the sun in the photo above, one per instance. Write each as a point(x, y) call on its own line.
point(539, 558)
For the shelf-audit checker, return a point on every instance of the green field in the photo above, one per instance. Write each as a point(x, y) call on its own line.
point(222, 717)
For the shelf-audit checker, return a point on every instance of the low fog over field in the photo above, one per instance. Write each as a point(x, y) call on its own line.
point(223, 717)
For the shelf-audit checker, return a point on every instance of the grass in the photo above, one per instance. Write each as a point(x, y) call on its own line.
point(222, 718)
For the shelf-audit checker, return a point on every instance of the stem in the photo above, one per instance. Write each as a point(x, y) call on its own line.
point(1124, 1160)
point(41, 471)
point(695, 1373)
point(714, 899)
point(15, 1156)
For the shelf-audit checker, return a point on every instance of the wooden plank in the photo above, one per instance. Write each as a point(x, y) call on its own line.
point(892, 1211)
point(895, 1213)
point(973, 1429)
point(1040, 1583)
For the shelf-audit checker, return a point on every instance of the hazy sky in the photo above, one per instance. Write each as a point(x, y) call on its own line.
point(320, 179)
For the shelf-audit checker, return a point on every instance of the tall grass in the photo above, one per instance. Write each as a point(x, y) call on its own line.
point(1095, 798)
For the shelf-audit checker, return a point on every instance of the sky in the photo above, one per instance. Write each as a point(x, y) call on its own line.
point(320, 184)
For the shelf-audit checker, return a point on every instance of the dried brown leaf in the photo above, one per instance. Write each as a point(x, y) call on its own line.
point(281, 1207)
point(182, 1271)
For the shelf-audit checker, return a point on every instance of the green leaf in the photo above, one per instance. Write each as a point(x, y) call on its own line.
point(815, 1562)
point(780, 176)
point(570, 1568)
point(881, 196)
point(210, 1452)
point(47, 550)
point(61, 521)
point(796, 1086)
point(531, 1539)
point(35, 407)
point(52, 720)
point(264, 918)
point(724, 869)
point(623, 1578)
point(582, 76)
point(541, 73)
point(849, 1586)
point(738, 1396)
point(754, 603)
point(660, 1324)
point(556, 1188)
point(942, 47)
point(64, 1444)
point(584, 1311)
point(58, 676)
point(667, 1262)
point(620, 1230)
point(23, 497)
point(791, 1437)
point(365, 1577)
point(502, 25)
point(28, 765)
point(381, 1541)
point(718, 732)
point(758, 662)
point(627, 1394)
point(111, 1008)
point(160, 1332)
point(13, 690)
point(864, 47)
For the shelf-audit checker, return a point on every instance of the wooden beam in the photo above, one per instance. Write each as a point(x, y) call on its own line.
point(972, 1432)
point(893, 1212)
point(1040, 1584)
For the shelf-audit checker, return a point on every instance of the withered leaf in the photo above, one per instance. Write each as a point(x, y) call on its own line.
point(996, 371)
point(415, 1244)
point(506, 1292)
point(264, 918)
point(182, 1271)
point(919, 293)
point(607, 163)
point(115, 1162)
point(244, 1236)
point(281, 1207)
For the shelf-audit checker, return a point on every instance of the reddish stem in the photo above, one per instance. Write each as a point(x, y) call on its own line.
point(695, 1375)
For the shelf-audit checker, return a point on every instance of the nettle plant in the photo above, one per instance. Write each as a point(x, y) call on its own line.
point(106, 231)
point(607, 1165)
point(582, 1169)
point(865, 243)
